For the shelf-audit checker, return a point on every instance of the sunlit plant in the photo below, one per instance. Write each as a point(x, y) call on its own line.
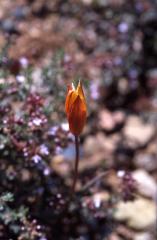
point(76, 111)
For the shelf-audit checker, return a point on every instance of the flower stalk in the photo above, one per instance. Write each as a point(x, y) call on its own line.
point(76, 165)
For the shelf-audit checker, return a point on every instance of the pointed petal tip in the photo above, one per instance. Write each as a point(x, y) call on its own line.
point(73, 87)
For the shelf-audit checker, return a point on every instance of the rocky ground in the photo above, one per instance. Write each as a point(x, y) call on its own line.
point(110, 45)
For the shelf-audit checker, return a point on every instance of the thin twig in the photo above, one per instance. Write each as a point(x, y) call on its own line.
point(76, 165)
point(94, 180)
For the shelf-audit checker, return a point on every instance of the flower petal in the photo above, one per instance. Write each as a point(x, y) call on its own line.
point(77, 116)
point(80, 91)
point(71, 97)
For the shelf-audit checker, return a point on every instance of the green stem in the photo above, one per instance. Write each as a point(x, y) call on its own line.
point(76, 165)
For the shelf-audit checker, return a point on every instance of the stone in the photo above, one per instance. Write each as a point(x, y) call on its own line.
point(109, 121)
point(146, 161)
point(125, 232)
point(146, 184)
point(100, 143)
point(143, 236)
point(99, 198)
point(138, 132)
point(87, 2)
point(113, 236)
point(98, 148)
point(139, 214)
point(106, 120)
point(59, 165)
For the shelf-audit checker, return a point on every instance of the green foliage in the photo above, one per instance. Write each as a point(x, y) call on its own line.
point(10, 216)
point(6, 197)
point(3, 86)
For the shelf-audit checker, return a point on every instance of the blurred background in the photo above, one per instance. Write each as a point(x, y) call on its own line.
point(111, 45)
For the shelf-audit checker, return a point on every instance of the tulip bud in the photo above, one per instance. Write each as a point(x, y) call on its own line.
point(76, 110)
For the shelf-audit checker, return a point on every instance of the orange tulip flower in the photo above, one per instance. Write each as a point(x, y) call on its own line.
point(76, 110)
